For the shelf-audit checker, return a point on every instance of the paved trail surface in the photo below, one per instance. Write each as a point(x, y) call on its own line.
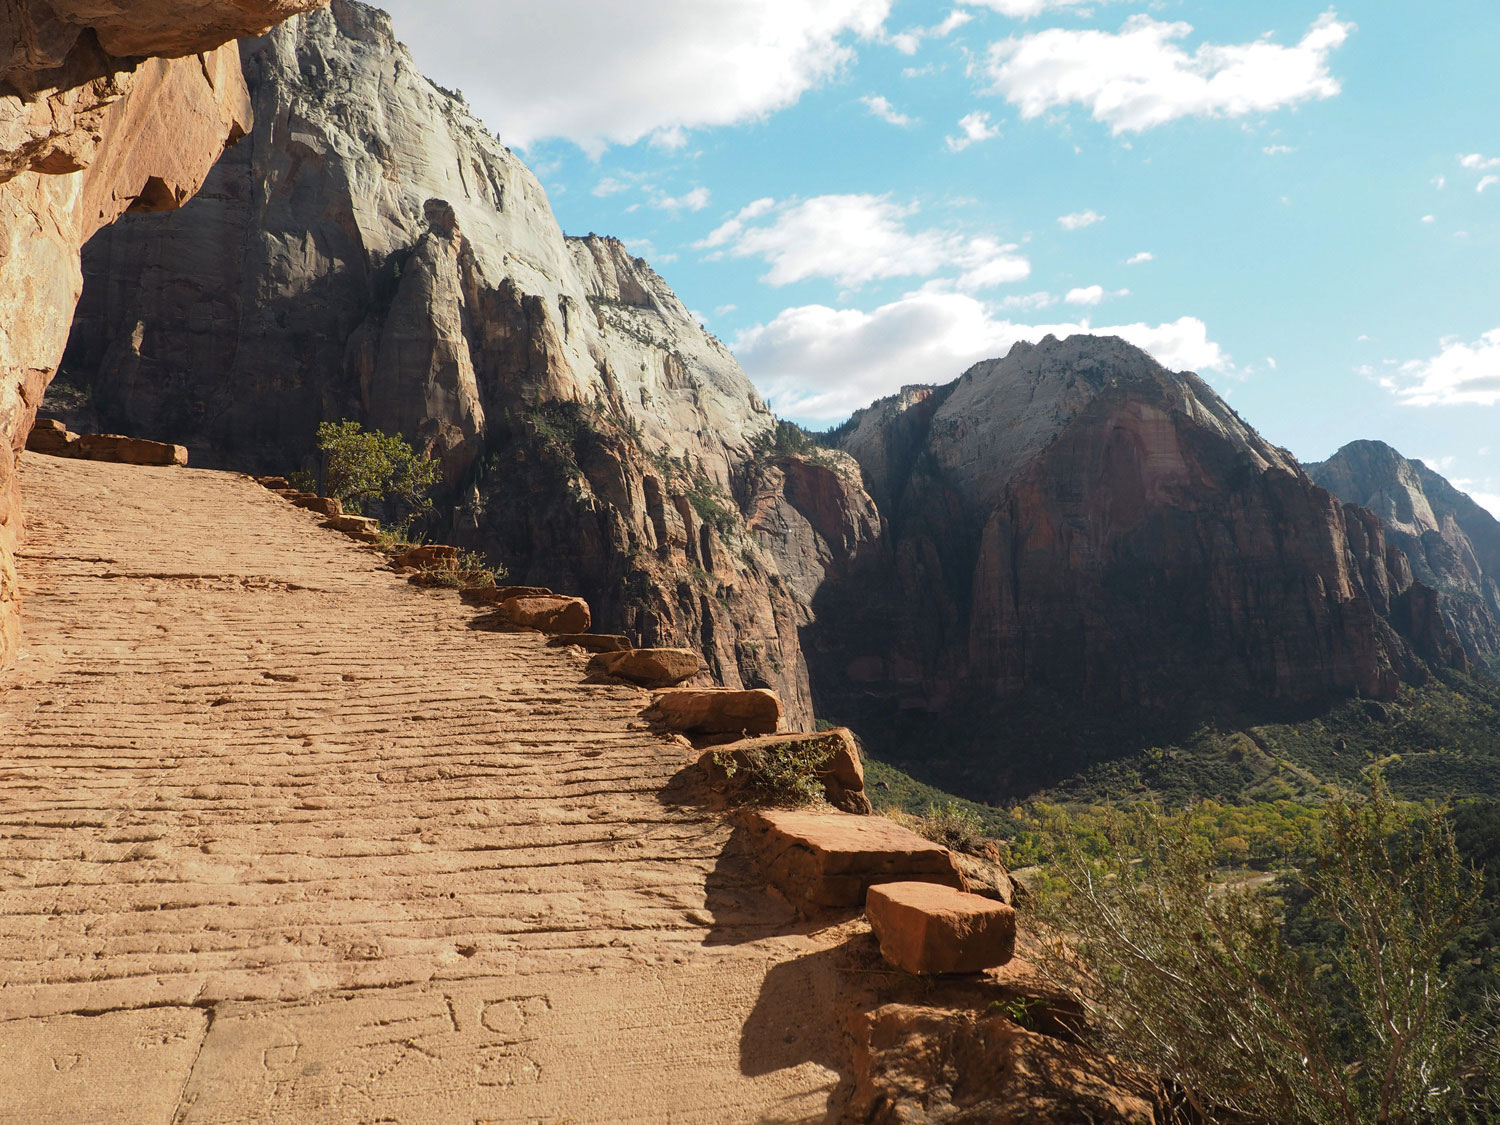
point(282, 839)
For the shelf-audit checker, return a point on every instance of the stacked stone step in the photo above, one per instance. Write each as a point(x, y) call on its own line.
point(51, 437)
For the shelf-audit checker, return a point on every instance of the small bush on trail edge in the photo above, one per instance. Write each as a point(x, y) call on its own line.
point(1197, 981)
point(374, 468)
point(955, 827)
point(471, 568)
point(783, 775)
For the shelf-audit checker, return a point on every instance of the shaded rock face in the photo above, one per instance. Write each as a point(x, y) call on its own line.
point(1074, 521)
point(1450, 542)
point(92, 126)
point(371, 252)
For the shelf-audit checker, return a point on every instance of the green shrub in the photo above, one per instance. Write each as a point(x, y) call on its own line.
point(374, 468)
point(783, 775)
point(1198, 982)
point(952, 825)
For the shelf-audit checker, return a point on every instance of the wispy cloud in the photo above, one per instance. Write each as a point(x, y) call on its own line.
point(972, 129)
point(858, 239)
point(1140, 77)
point(880, 106)
point(1077, 220)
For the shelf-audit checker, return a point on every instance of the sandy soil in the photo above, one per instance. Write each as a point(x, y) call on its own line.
point(283, 839)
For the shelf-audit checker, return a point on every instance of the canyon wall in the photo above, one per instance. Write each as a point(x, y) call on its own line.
point(93, 125)
point(372, 252)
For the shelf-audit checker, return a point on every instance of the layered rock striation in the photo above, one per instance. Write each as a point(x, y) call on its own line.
point(1075, 522)
point(371, 252)
point(1452, 544)
point(93, 124)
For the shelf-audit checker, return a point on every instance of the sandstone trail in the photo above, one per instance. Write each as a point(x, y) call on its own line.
point(283, 839)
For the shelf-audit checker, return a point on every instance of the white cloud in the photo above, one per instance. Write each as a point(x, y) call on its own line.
point(856, 239)
point(973, 128)
point(908, 41)
point(819, 364)
point(951, 23)
point(671, 139)
point(1030, 302)
point(879, 106)
point(1440, 182)
point(1140, 77)
point(1278, 150)
point(1490, 501)
point(1477, 163)
point(1487, 181)
point(1079, 219)
point(609, 186)
point(695, 200)
point(1141, 258)
point(600, 74)
point(725, 310)
point(1090, 295)
point(1461, 373)
point(731, 229)
point(1025, 9)
point(1429, 218)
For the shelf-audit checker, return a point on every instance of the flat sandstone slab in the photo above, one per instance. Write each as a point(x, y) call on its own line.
point(830, 859)
point(926, 928)
point(118, 1066)
point(406, 869)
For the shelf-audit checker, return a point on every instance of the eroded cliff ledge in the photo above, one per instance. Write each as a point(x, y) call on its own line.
point(93, 125)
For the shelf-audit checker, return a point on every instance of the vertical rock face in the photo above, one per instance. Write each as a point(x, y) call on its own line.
point(370, 251)
point(1450, 542)
point(1074, 521)
point(92, 127)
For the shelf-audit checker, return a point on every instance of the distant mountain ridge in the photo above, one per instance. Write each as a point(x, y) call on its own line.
point(1452, 543)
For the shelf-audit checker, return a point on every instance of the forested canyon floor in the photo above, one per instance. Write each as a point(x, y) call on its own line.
point(283, 837)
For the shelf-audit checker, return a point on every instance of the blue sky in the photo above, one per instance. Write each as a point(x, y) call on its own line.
point(1298, 200)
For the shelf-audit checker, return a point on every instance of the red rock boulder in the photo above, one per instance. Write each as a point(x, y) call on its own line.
point(549, 613)
point(592, 642)
point(364, 528)
point(830, 756)
point(427, 555)
point(926, 928)
point(831, 859)
point(649, 667)
point(129, 451)
point(490, 594)
point(329, 506)
point(53, 438)
point(715, 711)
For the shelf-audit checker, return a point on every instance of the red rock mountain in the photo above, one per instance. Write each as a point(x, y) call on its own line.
point(1074, 523)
